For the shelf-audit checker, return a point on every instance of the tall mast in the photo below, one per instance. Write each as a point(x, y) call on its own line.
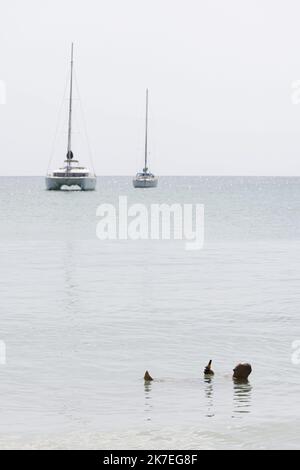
point(69, 154)
point(146, 136)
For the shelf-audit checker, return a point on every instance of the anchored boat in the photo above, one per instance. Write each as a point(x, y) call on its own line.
point(71, 174)
point(145, 179)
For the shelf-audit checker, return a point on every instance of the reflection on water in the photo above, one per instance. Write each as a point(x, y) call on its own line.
point(148, 398)
point(209, 396)
point(241, 396)
point(70, 287)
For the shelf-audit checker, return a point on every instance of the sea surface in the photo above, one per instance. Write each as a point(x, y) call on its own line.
point(82, 319)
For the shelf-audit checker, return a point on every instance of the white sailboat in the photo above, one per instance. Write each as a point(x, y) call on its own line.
point(145, 179)
point(71, 174)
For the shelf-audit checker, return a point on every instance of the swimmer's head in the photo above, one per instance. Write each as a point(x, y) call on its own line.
point(242, 371)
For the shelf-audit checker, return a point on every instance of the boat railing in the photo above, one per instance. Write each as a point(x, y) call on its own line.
point(70, 175)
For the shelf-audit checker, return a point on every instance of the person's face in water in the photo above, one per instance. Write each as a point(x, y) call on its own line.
point(242, 371)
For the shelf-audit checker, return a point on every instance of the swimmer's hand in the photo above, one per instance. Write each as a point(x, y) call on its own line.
point(208, 370)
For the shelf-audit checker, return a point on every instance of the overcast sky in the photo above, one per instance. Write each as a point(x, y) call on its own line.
point(219, 72)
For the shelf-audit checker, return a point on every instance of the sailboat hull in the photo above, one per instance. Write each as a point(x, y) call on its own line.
point(145, 182)
point(85, 183)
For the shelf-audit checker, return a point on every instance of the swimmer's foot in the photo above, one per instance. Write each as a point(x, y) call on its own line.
point(147, 377)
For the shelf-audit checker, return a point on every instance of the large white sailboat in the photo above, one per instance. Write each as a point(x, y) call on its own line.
point(145, 179)
point(71, 174)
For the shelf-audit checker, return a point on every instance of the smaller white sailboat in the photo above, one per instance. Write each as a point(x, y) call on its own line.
point(71, 174)
point(145, 179)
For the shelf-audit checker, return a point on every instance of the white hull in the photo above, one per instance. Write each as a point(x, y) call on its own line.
point(145, 182)
point(84, 183)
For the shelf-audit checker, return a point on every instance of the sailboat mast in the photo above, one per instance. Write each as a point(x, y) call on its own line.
point(70, 107)
point(146, 134)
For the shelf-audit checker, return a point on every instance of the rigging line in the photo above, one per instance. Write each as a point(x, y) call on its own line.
point(153, 149)
point(58, 124)
point(84, 124)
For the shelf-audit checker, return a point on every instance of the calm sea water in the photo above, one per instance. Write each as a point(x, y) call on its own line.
point(82, 319)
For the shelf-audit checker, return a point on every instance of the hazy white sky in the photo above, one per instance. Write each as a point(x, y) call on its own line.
point(219, 74)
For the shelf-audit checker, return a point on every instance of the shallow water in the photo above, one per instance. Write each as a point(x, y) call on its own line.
point(82, 319)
